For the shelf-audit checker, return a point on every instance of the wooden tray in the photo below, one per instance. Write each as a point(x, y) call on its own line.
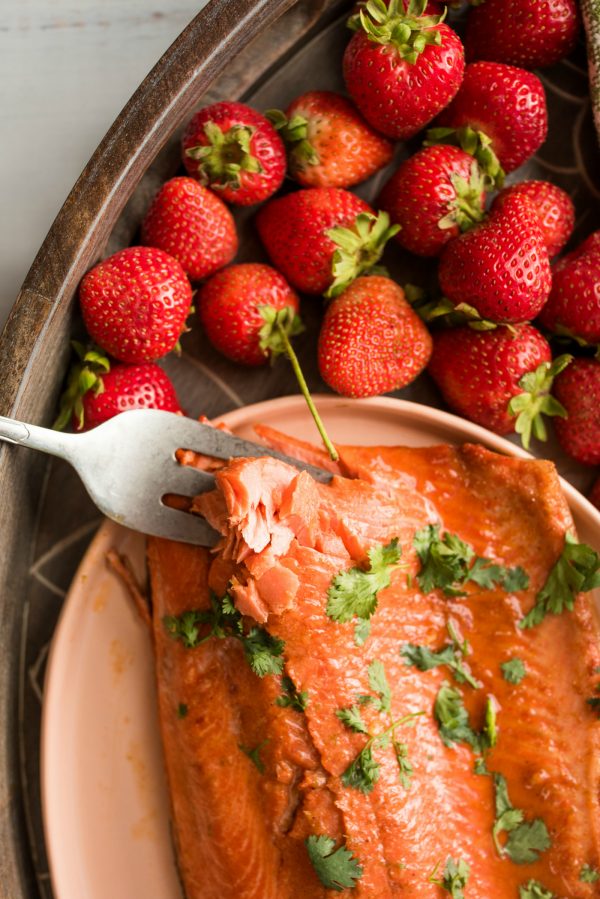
point(46, 520)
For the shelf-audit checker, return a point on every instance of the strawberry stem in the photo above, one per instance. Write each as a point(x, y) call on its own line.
point(289, 351)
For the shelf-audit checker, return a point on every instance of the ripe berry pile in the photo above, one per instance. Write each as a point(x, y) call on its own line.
point(487, 337)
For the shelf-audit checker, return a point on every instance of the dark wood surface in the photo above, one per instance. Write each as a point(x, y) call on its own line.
point(46, 520)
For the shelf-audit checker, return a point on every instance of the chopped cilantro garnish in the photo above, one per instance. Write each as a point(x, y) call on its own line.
point(182, 710)
point(526, 839)
point(576, 571)
point(534, 890)
point(290, 698)
point(480, 766)
point(337, 869)
point(589, 874)
point(254, 754)
point(353, 593)
point(446, 565)
point(452, 655)
point(513, 671)
point(363, 772)
point(379, 684)
point(453, 720)
point(362, 632)
point(594, 701)
point(404, 763)
point(454, 878)
point(263, 652)
point(352, 718)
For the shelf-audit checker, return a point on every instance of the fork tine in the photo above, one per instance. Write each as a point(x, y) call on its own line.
point(186, 528)
point(186, 480)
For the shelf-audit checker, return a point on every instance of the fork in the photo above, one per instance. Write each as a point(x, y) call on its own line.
point(128, 465)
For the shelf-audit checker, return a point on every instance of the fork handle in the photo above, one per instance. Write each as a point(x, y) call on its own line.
point(43, 439)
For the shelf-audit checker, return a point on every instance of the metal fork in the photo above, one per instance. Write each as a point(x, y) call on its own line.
point(128, 464)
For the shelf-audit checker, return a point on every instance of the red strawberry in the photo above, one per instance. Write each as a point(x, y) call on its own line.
point(401, 67)
point(500, 379)
point(554, 209)
point(329, 143)
point(96, 391)
point(500, 267)
point(499, 115)
point(322, 238)
point(573, 307)
point(371, 340)
point(539, 34)
point(578, 389)
point(434, 196)
point(135, 303)
point(193, 225)
point(230, 306)
point(236, 151)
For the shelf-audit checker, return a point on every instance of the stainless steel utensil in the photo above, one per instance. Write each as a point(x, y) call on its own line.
point(128, 464)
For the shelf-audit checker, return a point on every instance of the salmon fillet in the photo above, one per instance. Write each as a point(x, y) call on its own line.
point(240, 827)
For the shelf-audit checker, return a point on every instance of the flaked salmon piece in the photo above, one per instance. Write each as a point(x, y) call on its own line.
point(299, 449)
point(511, 511)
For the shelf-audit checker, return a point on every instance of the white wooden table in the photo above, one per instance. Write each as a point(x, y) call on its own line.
point(67, 67)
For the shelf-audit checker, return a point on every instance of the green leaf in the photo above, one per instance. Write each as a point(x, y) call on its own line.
point(254, 754)
point(489, 735)
point(444, 560)
point(490, 575)
point(363, 772)
point(85, 376)
point(480, 766)
point(513, 671)
point(263, 652)
point(404, 764)
point(270, 339)
point(225, 156)
point(379, 684)
point(589, 874)
point(477, 144)
point(354, 592)
point(359, 248)
point(452, 718)
point(337, 869)
point(454, 878)
point(577, 570)
point(352, 718)
point(533, 889)
point(182, 710)
point(425, 659)
point(526, 839)
point(536, 400)
point(362, 632)
point(290, 698)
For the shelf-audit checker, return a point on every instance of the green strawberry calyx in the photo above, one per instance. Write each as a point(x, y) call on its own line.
point(446, 312)
point(85, 375)
point(274, 338)
point(358, 249)
point(476, 144)
point(535, 400)
point(226, 157)
point(408, 30)
point(294, 133)
point(466, 208)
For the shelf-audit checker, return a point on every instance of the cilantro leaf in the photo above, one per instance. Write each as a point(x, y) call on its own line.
point(513, 671)
point(354, 592)
point(444, 560)
point(589, 874)
point(576, 571)
point(263, 652)
point(184, 627)
point(453, 718)
point(489, 736)
point(451, 654)
point(337, 870)
point(480, 766)
point(489, 575)
point(454, 878)
point(363, 772)
point(254, 754)
point(404, 764)
point(534, 890)
point(594, 702)
point(290, 698)
point(526, 839)
point(353, 719)
point(362, 632)
point(182, 710)
point(379, 684)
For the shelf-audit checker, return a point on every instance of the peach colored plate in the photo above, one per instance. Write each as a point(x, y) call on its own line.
point(105, 802)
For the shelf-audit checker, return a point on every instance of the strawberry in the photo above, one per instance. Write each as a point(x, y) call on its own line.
point(329, 143)
point(193, 225)
point(541, 32)
point(236, 151)
point(434, 196)
point(500, 379)
point(499, 115)
point(322, 238)
point(554, 209)
point(402, 66)
point(573, 308)
point(371, 340)
point(233, 308)
point(501, 267)
point(578, 389)
point(135, 303)
point(97, 391)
